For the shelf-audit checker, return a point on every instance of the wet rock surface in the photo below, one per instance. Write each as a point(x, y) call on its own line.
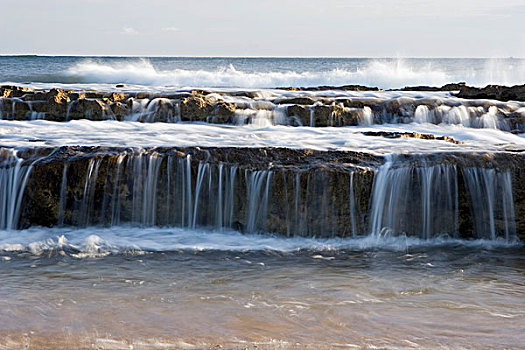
point(343, 88)
point(415, 135)
point(494, 92)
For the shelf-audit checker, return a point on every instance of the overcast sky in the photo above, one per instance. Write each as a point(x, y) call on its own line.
point(371, 28)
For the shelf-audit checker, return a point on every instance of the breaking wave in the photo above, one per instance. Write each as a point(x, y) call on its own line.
point(385, 74)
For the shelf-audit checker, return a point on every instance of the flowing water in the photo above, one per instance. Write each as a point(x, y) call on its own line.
point(197, 289)
point(276, 229)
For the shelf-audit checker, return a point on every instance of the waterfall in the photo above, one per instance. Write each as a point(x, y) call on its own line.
point(261, 117)
point(13, 180)
point(352, 205)
point(312, 117)
point(89, 191)
point(366, 117)
point(379, 196)
point(423, 115)
point(424, 201)
point(115, 199)
point(203, 167)
point(257, 186)
point(229, 197)
point(138, 109)
point(149, 201)
point(490, 119)
point(418, 197)
point(492, 201)
point(159, 109)
point(63, 199)
point(187, 191)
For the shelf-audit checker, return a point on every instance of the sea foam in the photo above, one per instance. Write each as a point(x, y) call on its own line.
point(98, 241)
point(133, 134)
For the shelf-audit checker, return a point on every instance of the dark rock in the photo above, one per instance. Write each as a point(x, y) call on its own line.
point(249, 94)
point(56, 105)
point(119, 110)
point(76, 95)
point(194, 108)
point(322, 88)
point(494, 92)
point(334, 115)
point(222, 112)
point(224, 109)
point(21, 110)
point(415, 135)
point(296, 101)
point(115, 96)
point(13, 91)
point(446, 87)
point(302, 113)
point(85, 108)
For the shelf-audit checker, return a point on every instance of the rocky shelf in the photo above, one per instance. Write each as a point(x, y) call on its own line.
point(295, 107)
point(278, 190)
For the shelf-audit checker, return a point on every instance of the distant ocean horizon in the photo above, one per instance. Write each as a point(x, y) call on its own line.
point(259, 72)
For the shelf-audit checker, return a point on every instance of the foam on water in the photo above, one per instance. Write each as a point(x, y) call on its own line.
point(134, 134)
point(98, 241)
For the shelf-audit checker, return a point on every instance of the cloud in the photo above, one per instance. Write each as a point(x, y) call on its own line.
point(171, 29)
point(129, 31)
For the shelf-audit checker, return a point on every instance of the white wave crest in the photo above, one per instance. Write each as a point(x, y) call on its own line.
point(384, 74)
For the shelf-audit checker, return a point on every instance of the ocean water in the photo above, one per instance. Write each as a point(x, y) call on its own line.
point(385, 73)
point(126, 287)
point(148, 287)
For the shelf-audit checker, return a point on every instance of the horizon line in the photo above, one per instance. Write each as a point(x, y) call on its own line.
point(256, 56)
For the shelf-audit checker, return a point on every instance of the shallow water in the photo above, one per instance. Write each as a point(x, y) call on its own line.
point(117, 287)
point(134, 134)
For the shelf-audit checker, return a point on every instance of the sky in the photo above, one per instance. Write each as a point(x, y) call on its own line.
point(289, 28)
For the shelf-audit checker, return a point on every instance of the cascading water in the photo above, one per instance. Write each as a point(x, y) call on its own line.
point(13, 180)
point(62, 202)
point(424, 200)
point(151, 188)
point(257, 189)
point(179, 203)
point(492, 202)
